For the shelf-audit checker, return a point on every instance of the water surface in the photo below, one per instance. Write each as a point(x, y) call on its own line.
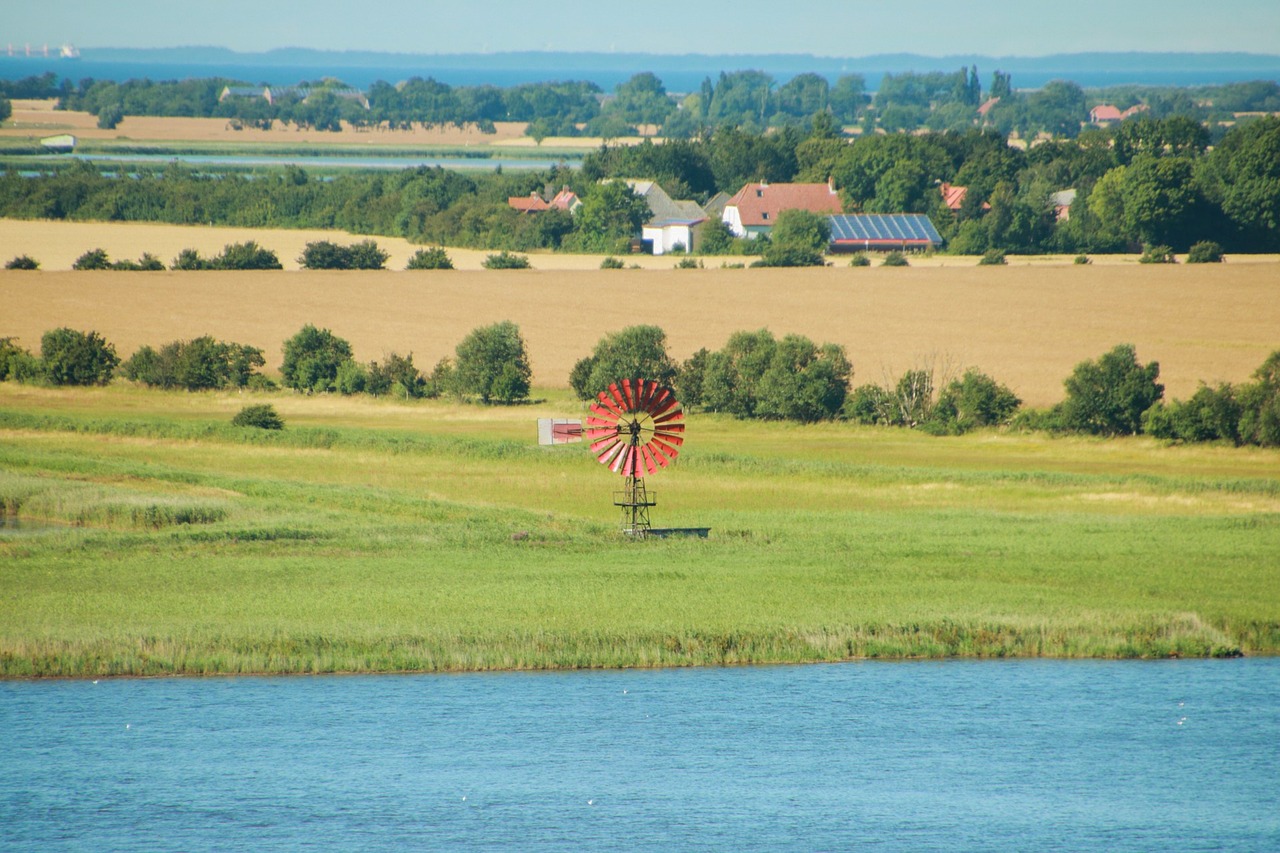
point(1030, 755)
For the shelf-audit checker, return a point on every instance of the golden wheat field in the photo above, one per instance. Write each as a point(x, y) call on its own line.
point(1027, 325)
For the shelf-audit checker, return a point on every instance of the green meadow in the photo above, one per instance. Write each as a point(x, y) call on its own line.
point(145, 535)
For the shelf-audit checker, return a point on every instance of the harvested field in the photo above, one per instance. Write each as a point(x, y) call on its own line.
point(34, 119)
point(1027, 326)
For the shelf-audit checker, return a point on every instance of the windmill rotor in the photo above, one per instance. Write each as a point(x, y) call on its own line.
point(636, 426)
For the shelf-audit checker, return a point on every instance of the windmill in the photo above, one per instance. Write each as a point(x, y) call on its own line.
point(635, 427)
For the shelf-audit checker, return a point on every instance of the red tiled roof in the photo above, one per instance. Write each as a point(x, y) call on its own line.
point(532, 203)
point(760, 204)
point(987, 105)
point(953, 197)
point(566, 199)
point(1105, 112)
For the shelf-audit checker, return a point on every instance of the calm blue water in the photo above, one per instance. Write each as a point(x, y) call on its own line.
point(1031, 755)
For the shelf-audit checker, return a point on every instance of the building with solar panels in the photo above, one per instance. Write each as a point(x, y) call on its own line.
point(883, 232)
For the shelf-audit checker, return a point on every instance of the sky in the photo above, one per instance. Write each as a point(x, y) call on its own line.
point(838, 28)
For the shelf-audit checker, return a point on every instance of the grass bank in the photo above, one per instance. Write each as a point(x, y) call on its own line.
point(369, 535)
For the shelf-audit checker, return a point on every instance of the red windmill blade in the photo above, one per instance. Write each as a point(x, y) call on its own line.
point(635, 427)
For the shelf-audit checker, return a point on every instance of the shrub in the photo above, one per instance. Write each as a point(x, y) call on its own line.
point(611, 263)
point(196, 365)
point(23, 262)
point(312, 358)
point(396, 375)
point(636, 352)
point(778, 255)
point(1260, 405)
point(325, 255)
point(975, 400)
point(352, 377)
point(443, 379)
point(505, 260)
point(493, 364)
point(689, 378)
point(1205, 252)
point(94, 259)
point(189, 259)
point(260, 416)
point(733, 373)
point(430, 259)
point(1212, 414)
point(804, 382)
point(895, 259)
point(860, 259)
point(69, 357)
point(110, 115)
point(687, 263)
point(1082, 260)
point(10, 351)
point(1109, 396)
point(867, 404)
point(147, 263)
point(1157, 255)
point(246, 256)
point(992, 258)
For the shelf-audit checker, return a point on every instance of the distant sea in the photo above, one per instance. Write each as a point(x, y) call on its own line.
point(678, 74)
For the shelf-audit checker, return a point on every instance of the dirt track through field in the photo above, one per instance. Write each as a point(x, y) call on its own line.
point(1026, 326)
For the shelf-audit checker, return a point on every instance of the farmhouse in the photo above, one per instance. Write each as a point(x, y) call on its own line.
point(672, 223)
point(532, 203)
point(883, 232)
point(755, 207)
point(1106, 113)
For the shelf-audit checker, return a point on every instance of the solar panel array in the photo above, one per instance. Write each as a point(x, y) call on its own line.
point(884, 227)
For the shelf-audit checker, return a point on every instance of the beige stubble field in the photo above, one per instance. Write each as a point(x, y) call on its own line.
point(1025, 325)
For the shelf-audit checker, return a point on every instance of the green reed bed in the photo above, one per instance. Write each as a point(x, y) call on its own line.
point(179, 544)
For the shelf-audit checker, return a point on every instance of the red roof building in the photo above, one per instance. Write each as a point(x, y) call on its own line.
point(953, 196)
point(532, 203)
point(755, 207)
point(1104, 113)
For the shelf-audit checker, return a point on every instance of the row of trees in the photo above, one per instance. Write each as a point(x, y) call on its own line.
point(755, 375)
point(748, 99)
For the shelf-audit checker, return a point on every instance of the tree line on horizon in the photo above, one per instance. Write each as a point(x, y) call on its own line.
point(751, 100)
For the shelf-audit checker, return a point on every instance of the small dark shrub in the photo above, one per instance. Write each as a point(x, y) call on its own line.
point(687, 263)
point(992, 258)
point(895, 259)
point(611, 263)
point(860, 259)
point(325, 255)
point(23, 262)
point(1157, 255)
point(189, 259)
point(1081, 260)
point(246, 256)
point(430, 259)
point(94, 259)
point(260, 415)
point(505, 260)
point(1205, 252)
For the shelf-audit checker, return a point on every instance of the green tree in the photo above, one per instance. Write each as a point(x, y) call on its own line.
point(246, 256)
point(611, 212)
point(799, 239)
point(1108, 396)
point(732, 375)
point(1160, 199)
point(312, 358)
point(6, 109)
point(70, 357)
point(975, 400)
point(1242, 175)
point(804, 382)
point(636, 352)
point(1204, 252)
point(395, 375)
point(493, 364)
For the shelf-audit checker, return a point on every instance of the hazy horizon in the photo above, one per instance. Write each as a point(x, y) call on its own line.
point(822, 28)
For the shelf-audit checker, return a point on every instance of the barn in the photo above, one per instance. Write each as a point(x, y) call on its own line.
point(883, 232)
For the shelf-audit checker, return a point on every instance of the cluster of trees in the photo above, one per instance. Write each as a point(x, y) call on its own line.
point(197, 365)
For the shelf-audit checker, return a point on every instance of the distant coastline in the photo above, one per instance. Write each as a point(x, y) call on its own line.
point(682, 72)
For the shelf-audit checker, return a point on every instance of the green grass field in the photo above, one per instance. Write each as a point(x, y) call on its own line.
point(152, 538)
